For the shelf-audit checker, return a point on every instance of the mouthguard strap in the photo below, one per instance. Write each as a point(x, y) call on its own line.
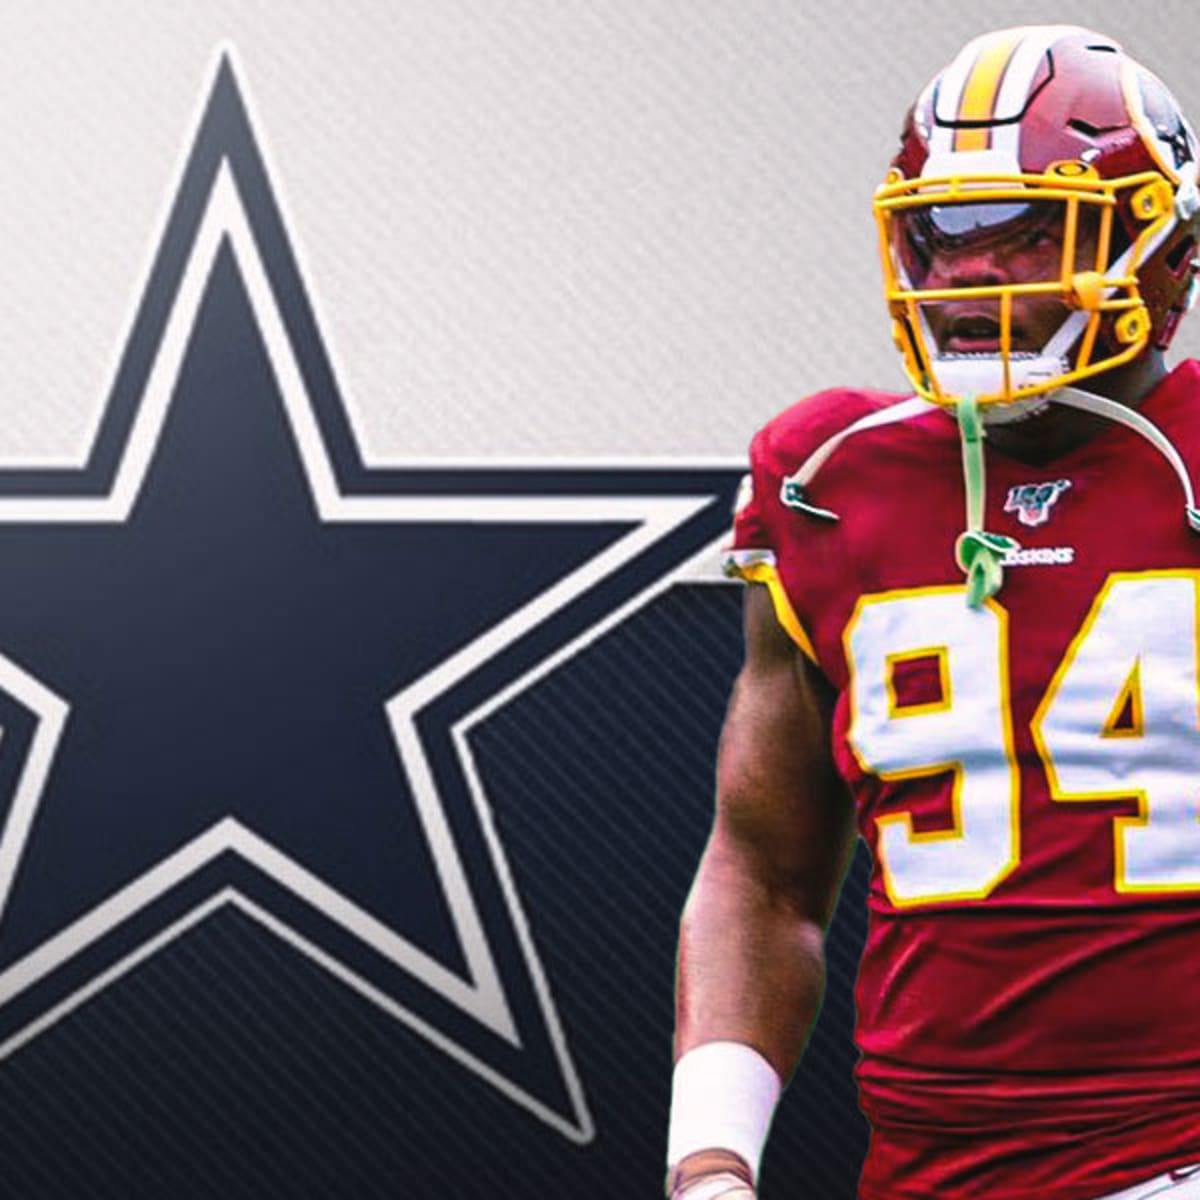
point(980, 554)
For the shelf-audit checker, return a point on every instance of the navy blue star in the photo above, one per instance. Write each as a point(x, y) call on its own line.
point(1177, 142)
point(208, 633)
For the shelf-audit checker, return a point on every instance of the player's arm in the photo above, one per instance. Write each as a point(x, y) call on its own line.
point(751, 951)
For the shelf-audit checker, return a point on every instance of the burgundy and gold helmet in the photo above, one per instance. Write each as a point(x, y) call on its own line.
point(1028, 128)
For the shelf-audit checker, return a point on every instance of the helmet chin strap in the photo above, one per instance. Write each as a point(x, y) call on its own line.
point(980, 374)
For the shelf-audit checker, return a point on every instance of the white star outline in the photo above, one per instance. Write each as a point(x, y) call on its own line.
point(481, 995)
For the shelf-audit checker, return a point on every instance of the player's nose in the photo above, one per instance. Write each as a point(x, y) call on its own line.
point(974, 267)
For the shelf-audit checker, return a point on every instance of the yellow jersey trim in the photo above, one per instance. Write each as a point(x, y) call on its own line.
point(761, 571)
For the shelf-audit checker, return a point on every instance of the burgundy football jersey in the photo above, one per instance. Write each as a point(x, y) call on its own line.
point(1027, 776)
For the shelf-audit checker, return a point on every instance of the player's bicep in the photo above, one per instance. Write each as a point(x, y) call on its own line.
point(783, 812)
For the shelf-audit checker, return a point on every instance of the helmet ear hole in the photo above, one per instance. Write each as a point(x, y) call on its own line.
point(1179, 257)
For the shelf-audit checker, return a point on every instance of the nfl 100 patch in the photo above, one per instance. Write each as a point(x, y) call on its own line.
point(1032, 502)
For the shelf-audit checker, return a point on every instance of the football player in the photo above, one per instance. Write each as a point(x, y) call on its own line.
point(974, 640)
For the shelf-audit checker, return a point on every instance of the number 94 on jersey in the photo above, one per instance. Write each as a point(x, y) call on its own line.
point(1120, 719)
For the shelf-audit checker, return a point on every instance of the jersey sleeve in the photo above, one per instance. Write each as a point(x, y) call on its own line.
point(752, 552)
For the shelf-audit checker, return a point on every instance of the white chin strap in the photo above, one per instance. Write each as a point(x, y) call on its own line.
point(983, 374)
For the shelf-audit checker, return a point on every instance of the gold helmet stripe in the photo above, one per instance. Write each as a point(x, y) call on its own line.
point(982, 86)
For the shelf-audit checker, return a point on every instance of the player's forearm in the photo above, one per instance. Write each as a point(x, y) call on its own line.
point(751, 963)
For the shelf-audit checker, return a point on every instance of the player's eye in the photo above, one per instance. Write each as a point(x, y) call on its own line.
point(954, 225)
point(916, 250)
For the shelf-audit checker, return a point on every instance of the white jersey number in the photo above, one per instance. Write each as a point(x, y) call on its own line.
point(1120, 719)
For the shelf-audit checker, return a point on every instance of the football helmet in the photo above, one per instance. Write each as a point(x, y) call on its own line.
point(1040, 136)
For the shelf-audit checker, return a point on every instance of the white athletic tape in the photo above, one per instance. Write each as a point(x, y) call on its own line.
point(722, 1098)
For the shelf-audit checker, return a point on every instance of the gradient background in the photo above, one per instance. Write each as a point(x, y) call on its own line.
point(535, 232)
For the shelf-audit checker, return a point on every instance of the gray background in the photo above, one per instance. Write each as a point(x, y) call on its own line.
point(541, 232)
point(536, 229)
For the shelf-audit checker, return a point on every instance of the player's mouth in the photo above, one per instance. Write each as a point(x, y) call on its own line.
point(978, 333)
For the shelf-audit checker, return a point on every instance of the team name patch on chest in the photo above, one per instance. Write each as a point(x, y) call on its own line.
point(1040, 556)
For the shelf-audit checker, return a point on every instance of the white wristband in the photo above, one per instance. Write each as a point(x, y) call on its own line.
point(723, 1096)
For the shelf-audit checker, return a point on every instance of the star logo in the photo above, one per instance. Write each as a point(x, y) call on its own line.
point(239, 667)
point(1176, 140)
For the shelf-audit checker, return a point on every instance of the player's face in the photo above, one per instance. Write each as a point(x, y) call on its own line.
point(989, 245)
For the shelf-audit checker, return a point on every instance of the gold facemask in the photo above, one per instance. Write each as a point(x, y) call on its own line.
point(1106, 323)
